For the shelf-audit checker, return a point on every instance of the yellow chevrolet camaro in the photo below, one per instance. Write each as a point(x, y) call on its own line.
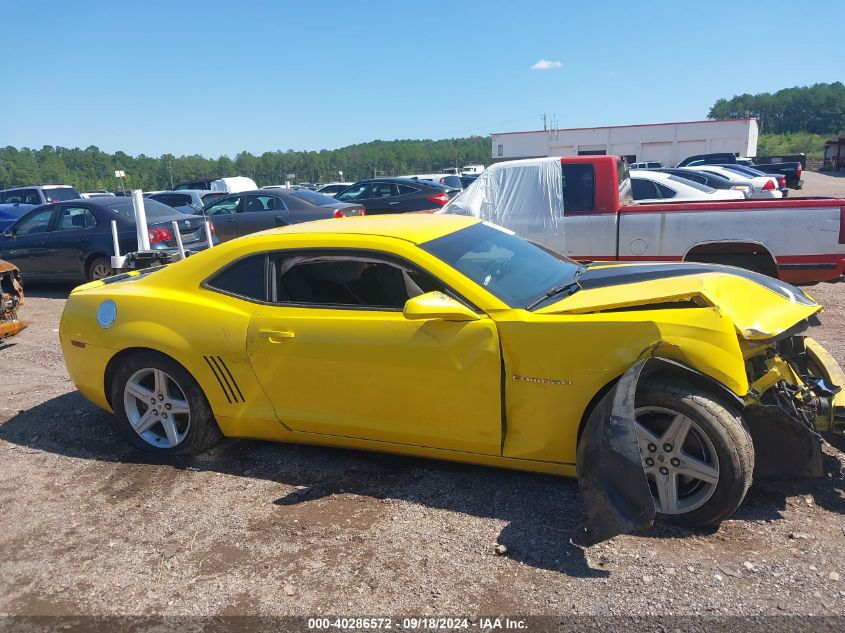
point(658, 385)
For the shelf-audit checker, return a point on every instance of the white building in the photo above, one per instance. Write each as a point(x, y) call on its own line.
point(669, 143)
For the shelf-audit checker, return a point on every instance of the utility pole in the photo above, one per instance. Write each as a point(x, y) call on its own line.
point(545, 125)
point(170, 169)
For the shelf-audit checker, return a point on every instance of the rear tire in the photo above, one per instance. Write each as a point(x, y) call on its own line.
point(710, 461)
point(99, 268)
point(160, 408)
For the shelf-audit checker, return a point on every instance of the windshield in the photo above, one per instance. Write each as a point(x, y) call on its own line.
point(60, 194)
point(511, 268)
point(154, 210)
point(313, 197)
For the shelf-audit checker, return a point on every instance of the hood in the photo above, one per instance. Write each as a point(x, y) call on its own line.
point(759, 306)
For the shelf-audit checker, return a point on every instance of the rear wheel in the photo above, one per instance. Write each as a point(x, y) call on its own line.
point(160, 408)
point(99, 268)
point(697, 455)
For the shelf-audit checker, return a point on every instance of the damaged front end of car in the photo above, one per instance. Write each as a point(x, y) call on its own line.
point(11, 299)
point(794, 402)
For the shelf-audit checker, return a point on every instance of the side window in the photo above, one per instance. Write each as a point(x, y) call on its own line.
point(644, 189)
point(579, 187)
point(16, 195)
point(224, 206)
point(665, 192)
point(38, 223)
point(349, 281)
point(254, 204)
point(30, 196)
point(245, 278)
point(384, 190)
point(355, 192)
point(180, 200)
point(74, 218)
point(405, 190)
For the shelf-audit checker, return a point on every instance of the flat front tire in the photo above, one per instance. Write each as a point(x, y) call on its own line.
point(160, 408)
point(697, 454)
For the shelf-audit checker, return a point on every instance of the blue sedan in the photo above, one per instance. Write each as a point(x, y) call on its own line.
point(72, 240)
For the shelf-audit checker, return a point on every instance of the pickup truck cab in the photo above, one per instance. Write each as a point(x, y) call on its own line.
point(582, 206)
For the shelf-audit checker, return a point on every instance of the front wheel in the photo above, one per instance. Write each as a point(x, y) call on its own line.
point(697, 455)
point(160, 408)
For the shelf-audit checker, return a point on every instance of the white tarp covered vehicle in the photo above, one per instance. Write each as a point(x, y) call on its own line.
point(234, 184)
point(525, 196)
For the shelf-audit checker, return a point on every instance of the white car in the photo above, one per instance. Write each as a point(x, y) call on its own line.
point(762, 187)
point(654, 186)
point(334, 188)
point(649, 164)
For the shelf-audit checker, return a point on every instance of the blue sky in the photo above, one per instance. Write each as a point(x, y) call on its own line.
point(216, 78)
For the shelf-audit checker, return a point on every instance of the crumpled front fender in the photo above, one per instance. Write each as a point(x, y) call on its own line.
point(609, 467)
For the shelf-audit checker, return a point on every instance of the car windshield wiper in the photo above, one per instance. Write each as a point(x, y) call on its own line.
point(571, 287)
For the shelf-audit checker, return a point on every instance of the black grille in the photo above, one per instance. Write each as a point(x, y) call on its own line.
point(225, 379)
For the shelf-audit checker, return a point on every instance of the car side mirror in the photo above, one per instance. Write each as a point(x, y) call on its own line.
point(436, 305)
point(8, 233)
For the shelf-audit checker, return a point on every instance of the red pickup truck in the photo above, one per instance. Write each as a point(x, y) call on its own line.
point(582, 206)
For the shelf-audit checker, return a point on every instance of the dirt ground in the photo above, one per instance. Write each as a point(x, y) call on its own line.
point(89, 526)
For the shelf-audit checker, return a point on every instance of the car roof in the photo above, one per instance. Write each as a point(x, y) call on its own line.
point(412, 227)
point(403, 181)
point(38, 186)
point(648, 173)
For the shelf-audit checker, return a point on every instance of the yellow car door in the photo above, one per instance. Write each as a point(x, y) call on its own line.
point(336, 356)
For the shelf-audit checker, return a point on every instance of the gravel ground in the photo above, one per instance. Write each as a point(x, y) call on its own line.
point(88, 526)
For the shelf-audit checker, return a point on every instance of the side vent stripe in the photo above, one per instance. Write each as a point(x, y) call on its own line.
point(220, 382)
point(225, 379)
point(232, 378)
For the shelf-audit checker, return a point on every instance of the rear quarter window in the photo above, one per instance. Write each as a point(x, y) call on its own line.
point(246, 278)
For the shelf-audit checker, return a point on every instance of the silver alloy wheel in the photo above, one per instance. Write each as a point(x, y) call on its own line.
point(679, 460)
point(101, 271)
point(157, 408)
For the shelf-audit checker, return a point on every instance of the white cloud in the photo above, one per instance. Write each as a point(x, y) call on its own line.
point(545, 64)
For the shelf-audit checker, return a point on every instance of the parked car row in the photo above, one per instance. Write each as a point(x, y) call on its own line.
point(791, 171)
point(72, 240)
point(706, 182)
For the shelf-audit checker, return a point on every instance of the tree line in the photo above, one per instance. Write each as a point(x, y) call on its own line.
point(816, 109)
point(92, 168)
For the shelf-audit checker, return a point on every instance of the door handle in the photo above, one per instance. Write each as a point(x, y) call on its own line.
point(393, 202)
point(230, 219)
point(277, 336)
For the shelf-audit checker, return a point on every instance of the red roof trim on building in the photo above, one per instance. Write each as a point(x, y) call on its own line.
point(612, 127)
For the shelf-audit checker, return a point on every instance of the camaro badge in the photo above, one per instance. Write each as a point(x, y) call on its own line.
point(544, 381)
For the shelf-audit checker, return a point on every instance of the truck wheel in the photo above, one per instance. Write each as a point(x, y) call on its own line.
point(697, 455)
point(160, 408)
point(99, 268)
